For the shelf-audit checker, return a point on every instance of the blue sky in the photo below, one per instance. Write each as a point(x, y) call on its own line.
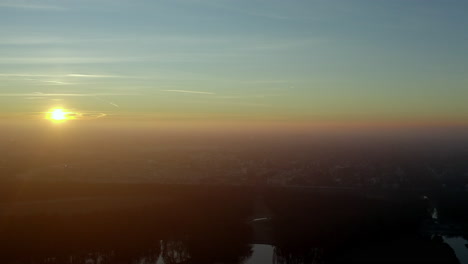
point(317, 60)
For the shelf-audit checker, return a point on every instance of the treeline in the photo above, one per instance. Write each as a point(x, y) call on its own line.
point(338, 216)
point(327, 226)
point(17, 190)
point(192, 222)
point(208, 224)
point(453, 207)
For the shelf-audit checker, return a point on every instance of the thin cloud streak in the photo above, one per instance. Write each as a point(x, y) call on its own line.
point(31, 6)
point(94, 76)
point(57, 82)
point(186, 91)
point(108, 102)
point(246, 43)
point(69, 60)
point(25, 75)
point(61, 94)
point(71, 75)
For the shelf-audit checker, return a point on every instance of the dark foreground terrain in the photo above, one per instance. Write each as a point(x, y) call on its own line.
point(71, 222)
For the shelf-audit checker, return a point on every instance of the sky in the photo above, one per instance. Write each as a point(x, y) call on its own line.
point(298, 61)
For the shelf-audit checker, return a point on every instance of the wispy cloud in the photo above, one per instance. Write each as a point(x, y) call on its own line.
point(257, 96)
point(89, 115)
point(108, 102)
point(39, 94)
point(186, 91)
point(34, 98)
point(258, 12)
point(69, 60)
point(57, 82)
point(71, 75)
point(25, 75)
point(32, 40)
point(30, 5)
point(234, 42)
point(94, 76)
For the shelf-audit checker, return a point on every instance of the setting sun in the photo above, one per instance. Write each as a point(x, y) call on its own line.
point(58, 114)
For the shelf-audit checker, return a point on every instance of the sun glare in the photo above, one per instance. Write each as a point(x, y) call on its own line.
point(58, 115)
